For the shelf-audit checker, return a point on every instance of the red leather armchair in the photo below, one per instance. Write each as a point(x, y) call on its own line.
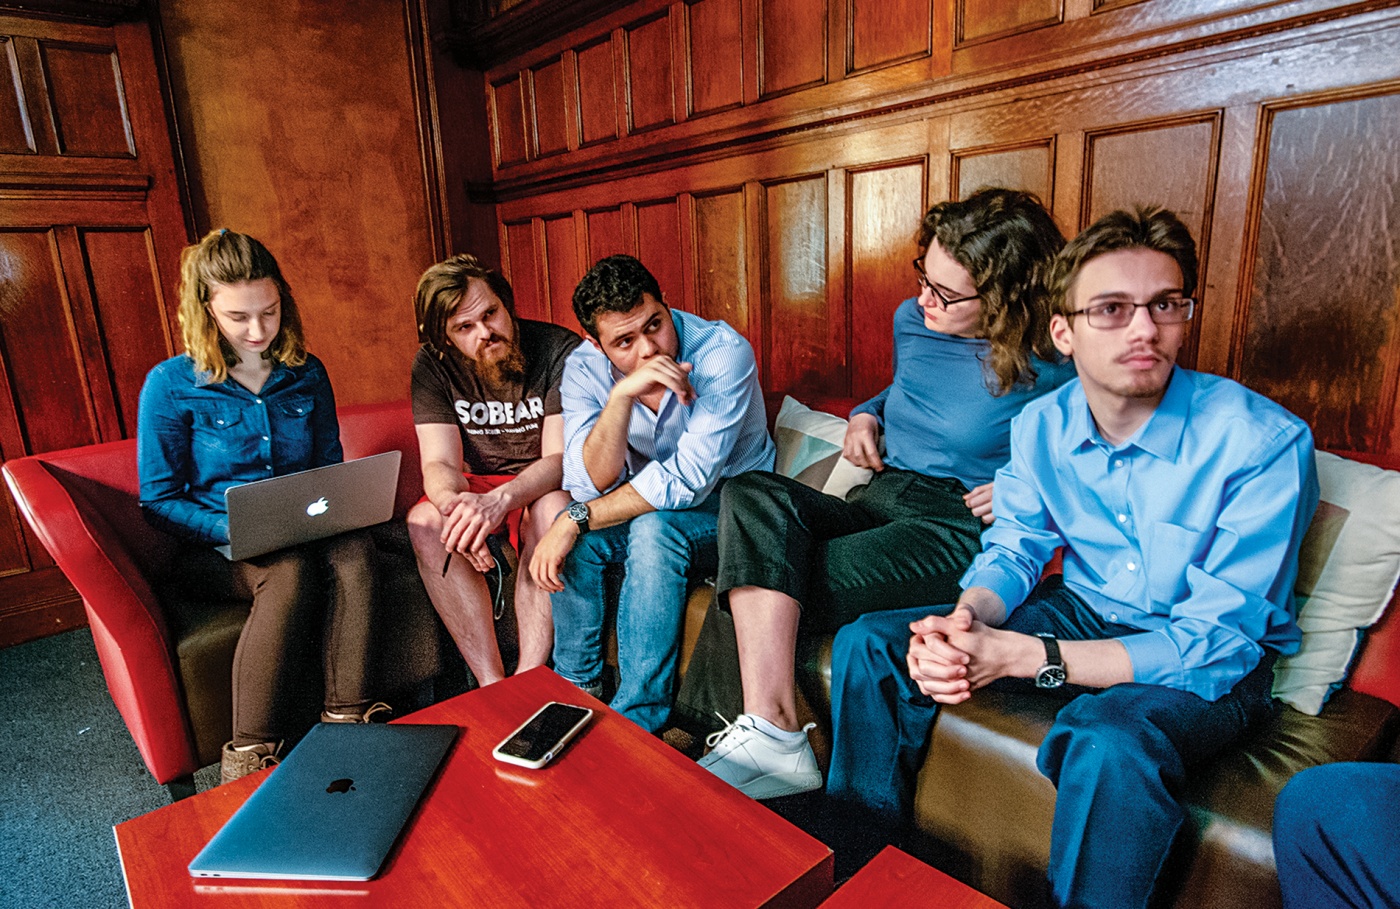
point(168, 666)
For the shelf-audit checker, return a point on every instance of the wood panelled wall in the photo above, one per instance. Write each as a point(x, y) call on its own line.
point(90, 233)
point(769, 160)
point(301, 125)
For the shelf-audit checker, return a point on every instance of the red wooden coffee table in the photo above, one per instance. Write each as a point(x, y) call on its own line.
point(620, 819)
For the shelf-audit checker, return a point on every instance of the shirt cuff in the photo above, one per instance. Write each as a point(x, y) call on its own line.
point(661, 490)
point(1006, 584)
point(1155, 660)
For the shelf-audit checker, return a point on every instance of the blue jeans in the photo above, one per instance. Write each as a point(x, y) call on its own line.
point(660, 552)
point(1330, 839)
point(1118, 756)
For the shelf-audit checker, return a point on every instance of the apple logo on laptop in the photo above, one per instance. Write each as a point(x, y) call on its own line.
point(318, 507)
point(341, 785)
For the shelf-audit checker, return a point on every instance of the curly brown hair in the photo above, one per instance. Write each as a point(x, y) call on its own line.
point(1006, 240)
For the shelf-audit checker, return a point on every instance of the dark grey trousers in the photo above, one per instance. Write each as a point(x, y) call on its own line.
point(902, 540)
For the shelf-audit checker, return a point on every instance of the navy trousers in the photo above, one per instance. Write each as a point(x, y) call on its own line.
point(1118, 756)
point(1337, 837)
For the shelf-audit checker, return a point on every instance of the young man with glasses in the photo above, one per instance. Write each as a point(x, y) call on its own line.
point(969, 353)
point(1178, 500)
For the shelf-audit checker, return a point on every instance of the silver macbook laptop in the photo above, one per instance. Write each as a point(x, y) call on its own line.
point(275, 513)
point(333, 808)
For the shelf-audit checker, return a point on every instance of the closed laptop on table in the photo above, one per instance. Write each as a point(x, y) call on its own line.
point(296, 508)
point(333, 808)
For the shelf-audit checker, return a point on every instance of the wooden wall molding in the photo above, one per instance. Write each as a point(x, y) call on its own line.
point(897, 92)
point(792, 217)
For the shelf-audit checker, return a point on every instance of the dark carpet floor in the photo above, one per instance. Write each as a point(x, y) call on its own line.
point(69, 771)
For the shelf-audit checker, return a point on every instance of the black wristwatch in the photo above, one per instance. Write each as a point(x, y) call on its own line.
point(1052, 674)
point(578, 513)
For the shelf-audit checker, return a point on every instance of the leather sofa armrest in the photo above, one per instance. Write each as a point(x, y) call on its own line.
point(128, 626)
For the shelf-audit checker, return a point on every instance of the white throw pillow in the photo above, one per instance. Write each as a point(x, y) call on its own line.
point(1347, 570)
point(809, 449)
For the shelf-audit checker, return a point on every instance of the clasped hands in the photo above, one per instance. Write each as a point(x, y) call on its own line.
point(467, 520)
point(952, 656)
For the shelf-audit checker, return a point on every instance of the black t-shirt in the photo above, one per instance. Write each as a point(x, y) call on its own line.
point(501, 428)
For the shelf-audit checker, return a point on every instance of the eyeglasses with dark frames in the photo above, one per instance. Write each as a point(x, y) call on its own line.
point(932, 288)
point(1119, 313)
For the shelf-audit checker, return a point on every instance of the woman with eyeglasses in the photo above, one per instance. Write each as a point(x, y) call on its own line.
point(970, 350)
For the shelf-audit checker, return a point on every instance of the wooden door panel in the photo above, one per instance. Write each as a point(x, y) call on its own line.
point(885, 207)
point(562, 269)
point(1320, 334)
point(883, 32)
point(604, 235)
point(982, 20)
point(805, 338)
point(508, 107)
point(522, 269)
point(721, 275)
point(649, 74)
point(1170, 164)
point(40, 355)
point(547, 105)
point(132, 332)
point(1028, 167)
point(791, 46)
point(15, 134)
point(88, 99)
point(597, 91)
point(716, 55)
point(659, 247)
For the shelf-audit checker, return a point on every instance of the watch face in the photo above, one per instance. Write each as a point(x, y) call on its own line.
point(1050, 677)
point(578, 512)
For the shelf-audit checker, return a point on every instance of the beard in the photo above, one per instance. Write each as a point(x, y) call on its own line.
point(503, 367)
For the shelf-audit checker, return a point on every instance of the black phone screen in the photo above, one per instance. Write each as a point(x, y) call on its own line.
point(543, 732)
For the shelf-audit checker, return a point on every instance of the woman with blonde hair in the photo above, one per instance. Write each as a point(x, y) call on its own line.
point(246, 402)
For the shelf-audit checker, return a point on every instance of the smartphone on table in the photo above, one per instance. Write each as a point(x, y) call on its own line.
point(540, 738)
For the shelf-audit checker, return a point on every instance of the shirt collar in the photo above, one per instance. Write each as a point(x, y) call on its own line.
point(1159, 436)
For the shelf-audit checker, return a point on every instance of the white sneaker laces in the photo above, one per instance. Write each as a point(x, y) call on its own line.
point(714, 738)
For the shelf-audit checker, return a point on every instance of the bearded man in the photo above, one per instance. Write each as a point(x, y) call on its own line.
point(491, 437)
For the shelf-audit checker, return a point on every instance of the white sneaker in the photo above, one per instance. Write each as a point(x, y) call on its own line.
point(759, 765)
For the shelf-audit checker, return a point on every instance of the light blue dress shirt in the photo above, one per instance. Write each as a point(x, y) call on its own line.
point(1188, 531)
point(677, 455)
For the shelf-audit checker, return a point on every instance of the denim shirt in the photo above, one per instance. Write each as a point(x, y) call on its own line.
point(195, 439)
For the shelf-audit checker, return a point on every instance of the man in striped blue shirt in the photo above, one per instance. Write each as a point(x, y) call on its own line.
point(660, 407)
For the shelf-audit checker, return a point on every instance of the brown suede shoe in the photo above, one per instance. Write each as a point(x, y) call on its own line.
point(378, 712)
point(238, 763)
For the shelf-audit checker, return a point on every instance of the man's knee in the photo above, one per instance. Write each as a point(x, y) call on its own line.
point(1102, 731)
point(425, 526)
point(658, 539)
point(875, 640)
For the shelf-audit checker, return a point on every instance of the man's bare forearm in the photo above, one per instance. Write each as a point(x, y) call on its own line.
point(605, 449)
point(441, 482)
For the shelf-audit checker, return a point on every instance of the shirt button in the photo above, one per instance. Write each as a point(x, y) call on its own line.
point(269, 470)
point(268, 439)
point(259, 400)
point(220, 422)
point(1113, 616)
point(1132, 566)
point(1118, 463)
point(1122, 518)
